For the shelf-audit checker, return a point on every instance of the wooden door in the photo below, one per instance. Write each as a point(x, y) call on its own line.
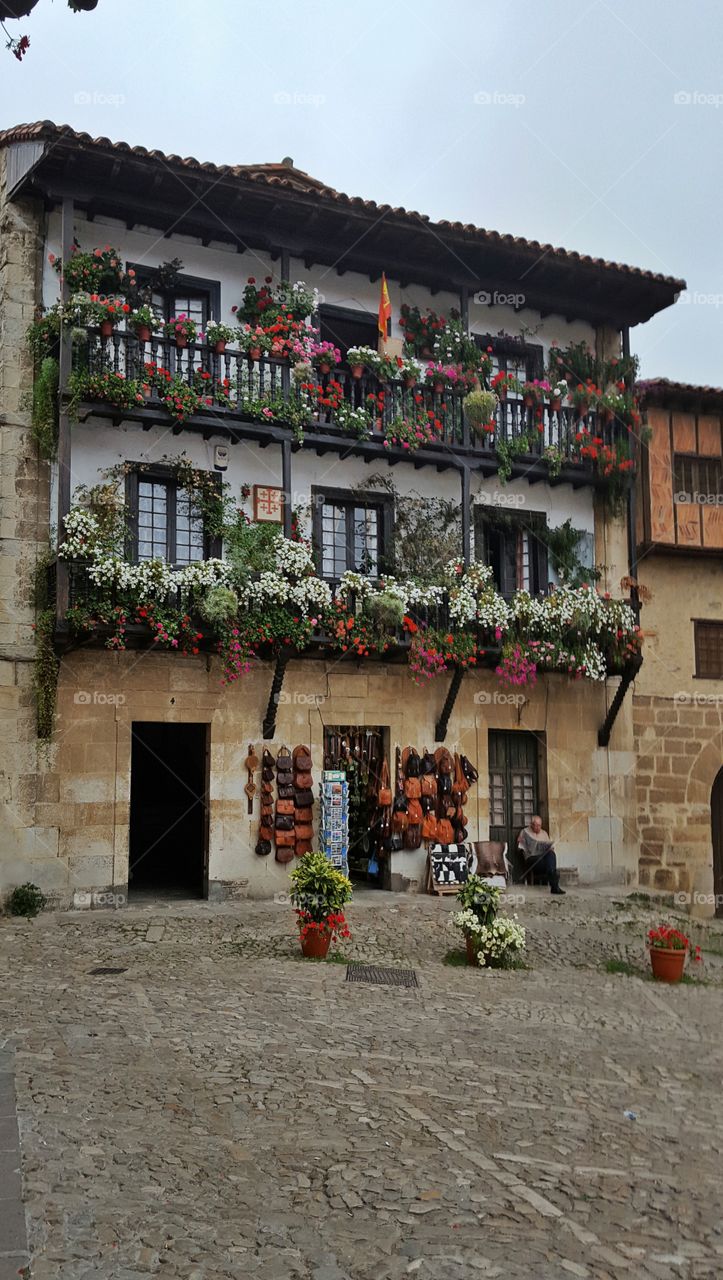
point(514, 788)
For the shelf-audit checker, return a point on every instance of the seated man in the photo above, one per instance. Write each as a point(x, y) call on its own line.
point(539, 852)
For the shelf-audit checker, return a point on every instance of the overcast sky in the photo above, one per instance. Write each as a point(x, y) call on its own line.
point(595, 126)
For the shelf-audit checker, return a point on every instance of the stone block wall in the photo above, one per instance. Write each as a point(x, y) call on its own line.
point(85, 799)
point(25, 842)
point(680, 751)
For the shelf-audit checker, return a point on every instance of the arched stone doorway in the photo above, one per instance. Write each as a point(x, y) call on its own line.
point(716, 822)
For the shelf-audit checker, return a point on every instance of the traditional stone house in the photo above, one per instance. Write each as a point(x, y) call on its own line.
point(148, 746)
point(678, 699)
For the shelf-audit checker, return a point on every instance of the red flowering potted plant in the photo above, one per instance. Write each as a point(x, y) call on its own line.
point(503, 383)
point(324, 355)
point(668, 949)
point(108, 311)
point(319, 892)
point(584, 396)
point(182, 329)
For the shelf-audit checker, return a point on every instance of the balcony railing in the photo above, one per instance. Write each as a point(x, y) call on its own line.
point(233, 384)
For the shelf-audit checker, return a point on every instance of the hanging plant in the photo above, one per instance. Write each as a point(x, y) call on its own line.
point(45, 674)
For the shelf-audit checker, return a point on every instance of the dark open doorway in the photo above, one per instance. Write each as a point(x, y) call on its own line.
point(168, 819)
point(359, 751)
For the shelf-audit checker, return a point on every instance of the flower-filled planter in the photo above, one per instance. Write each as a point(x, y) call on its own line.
point(182, 329)
point(325, 356)
point(479, 410)
point(319, 893)
point(361, 360)
point(491, 941)
point(217, 335)
point(144, 322)
point(669, 949)
point(108, 312)
point(504, 383)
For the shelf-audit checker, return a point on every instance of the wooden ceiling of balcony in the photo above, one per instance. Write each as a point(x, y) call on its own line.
point(275, 208)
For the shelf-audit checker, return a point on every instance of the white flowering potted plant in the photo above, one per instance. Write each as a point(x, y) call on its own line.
point(492, 941)
point(217, 335)
point(144, 322)
point(361, 358)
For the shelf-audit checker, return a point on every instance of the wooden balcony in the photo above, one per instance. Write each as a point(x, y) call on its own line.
point(233, 384)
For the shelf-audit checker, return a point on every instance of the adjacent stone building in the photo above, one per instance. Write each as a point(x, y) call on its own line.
point(678, 698)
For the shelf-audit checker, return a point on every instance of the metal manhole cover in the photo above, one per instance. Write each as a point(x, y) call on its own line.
point(381, 977)
point(93, 972)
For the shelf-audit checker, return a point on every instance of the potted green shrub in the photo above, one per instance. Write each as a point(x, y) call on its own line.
point(479, 902)
point(26, 900)
point(479, 409)
point(386, 610)
point(319, 893)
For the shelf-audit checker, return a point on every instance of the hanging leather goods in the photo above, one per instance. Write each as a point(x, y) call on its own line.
point(251, 763)
point(384, 795)
point(460, 786)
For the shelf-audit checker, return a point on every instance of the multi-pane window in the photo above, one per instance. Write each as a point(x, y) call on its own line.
point(165, 523)
point(350, 539)
point(350, 533)
point(195, 305)
point(514, 549)
point(697, 479)
point(708, 650)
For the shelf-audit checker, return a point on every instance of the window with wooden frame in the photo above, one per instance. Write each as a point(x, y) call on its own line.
point(524, 360)
point(708, 641)
point(348, 327)
point(513, 546)
point(696, 478)
point(164, 522)
point(351, 532)
point(192, 296)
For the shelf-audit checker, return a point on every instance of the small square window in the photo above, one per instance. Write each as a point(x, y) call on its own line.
point(708, 650)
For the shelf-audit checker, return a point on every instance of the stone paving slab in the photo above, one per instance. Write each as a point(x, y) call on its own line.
point(223, 1109)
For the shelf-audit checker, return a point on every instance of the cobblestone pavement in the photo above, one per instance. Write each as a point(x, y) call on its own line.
point(223, 1109)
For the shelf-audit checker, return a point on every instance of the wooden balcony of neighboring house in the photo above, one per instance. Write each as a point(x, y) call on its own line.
point(258, 399)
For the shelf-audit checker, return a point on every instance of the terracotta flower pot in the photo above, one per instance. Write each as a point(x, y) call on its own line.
point(316, 943)
point(556, 404)
point(582, 409)
point(438, 388)
point(470, 949)
point(426, 352)
point(255, 353)
point(502, 394)
point(220, 346)
point(357, 370)
point(106, 328)
point(143, 333)
point(667, 963)
point(409, 382)
point(606, 415)
point(181, 341)
point(529, 401)
point(324, 367)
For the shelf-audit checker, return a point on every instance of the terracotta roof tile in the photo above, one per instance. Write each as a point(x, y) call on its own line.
point(292, 179)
